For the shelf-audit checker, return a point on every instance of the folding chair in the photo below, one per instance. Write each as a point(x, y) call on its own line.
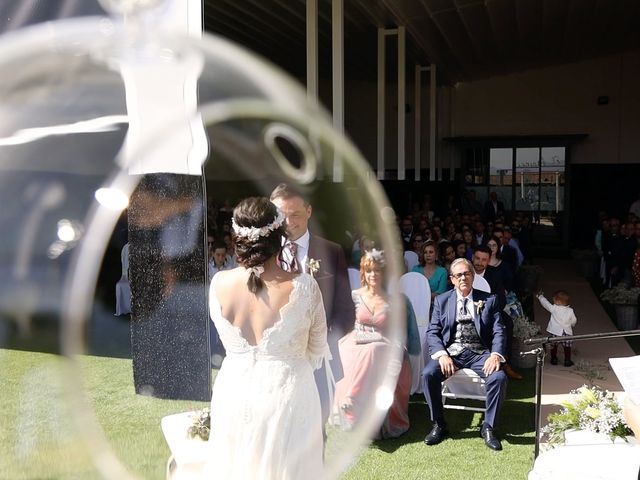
point(416, 287)
point(464, 384)
point(411, 259)
point(354, 278)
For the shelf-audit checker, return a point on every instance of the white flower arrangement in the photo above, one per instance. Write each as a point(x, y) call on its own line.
point(200, 424)
point(523, 328)
point(313, 266)
point(479, 306)
point(594, 410)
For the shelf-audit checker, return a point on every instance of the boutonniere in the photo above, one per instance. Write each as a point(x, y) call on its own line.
point(479, 306)
point(313, 266)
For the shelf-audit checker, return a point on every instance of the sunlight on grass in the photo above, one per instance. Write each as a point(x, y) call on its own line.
point(39, 437)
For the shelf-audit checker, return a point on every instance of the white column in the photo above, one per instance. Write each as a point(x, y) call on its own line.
point(337, 41)
point(381, 100)
point(417, 119)
point(312, 50)
point(401, 102)
point(432, 124)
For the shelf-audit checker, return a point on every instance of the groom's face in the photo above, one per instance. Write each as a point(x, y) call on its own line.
point(297, 213)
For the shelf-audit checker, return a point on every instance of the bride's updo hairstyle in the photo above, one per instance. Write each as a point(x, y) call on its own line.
point(258, 228)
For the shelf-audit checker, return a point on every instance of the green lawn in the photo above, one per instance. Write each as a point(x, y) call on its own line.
point(40, 431)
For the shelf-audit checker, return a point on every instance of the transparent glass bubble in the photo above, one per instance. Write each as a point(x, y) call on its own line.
point(116, 139)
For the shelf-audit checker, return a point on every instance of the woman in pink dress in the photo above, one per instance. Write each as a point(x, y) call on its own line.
point(365, 351)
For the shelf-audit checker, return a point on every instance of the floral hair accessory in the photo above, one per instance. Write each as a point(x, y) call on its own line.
point(375, 255)
point(253, 233)
point(257, 270)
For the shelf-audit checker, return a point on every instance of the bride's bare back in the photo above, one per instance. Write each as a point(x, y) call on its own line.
point(253, 313)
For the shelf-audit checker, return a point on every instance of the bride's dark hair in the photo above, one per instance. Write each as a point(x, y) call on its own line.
point(256, 212)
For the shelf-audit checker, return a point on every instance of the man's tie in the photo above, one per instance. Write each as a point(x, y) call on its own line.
point(293, 249)
point(463, 306)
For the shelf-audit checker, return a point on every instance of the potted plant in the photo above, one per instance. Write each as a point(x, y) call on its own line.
point(625, 301)
point(523, 328)
point(593, 416)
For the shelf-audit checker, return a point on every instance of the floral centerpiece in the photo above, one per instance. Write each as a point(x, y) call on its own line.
point(200, 424)
point(594, 410)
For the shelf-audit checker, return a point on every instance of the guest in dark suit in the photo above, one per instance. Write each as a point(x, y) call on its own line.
point(310, 253)
point(466, 331)
point(493, 208)
point(493, 276)
point(507, 252)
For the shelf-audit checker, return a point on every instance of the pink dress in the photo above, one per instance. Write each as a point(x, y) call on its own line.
point(364, 366)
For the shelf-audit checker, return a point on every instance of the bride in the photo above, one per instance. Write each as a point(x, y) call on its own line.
point(265, 409)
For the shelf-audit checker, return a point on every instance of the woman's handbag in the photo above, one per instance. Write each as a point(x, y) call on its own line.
point(364, 334)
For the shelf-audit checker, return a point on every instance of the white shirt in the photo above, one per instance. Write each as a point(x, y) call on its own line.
point(301, 254)
point(562, 320)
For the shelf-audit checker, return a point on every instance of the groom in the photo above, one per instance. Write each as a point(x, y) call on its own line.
point(300, 252)
point(466, 331)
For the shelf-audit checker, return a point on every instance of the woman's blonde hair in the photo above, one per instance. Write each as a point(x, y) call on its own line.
point(369, 260)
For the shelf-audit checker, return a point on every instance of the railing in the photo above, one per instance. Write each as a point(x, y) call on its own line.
point(539, 351)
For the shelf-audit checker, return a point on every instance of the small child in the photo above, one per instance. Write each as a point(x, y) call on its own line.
point(561, 322)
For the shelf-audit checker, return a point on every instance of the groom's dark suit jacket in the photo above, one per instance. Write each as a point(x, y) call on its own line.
point(442, 329)
point(333, 281)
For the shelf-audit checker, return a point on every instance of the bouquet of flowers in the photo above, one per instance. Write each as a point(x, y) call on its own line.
point(595, 410)
point(200, 424)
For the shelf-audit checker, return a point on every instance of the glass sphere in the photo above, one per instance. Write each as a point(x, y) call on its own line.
point(114, 139)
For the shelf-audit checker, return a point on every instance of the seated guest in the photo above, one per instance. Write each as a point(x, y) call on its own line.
point(507, 253)
point(416, 243)
point(436, 275)
point(362, 245)
point(406, 233)
point(461, 248)
point(470, 243)
point(466, 331)
point(218, 258)
point(447, 255)
point(363, 351)
point(504, 270)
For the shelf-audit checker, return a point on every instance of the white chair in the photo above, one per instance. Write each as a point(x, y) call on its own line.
point(464, 384)
point(188, 455)
point(411, 259)
point(416, 287)
point(480, 283)
point(354, 278)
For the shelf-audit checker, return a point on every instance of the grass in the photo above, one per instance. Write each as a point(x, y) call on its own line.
point(40, 434)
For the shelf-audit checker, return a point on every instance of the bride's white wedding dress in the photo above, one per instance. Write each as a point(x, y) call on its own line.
point(265, 409)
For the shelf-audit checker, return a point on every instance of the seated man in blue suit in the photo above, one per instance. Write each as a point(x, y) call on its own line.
point(466, 331)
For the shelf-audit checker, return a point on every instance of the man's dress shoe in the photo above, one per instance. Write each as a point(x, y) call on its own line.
point(436, 435)
point(489, 439)
point(511, 373)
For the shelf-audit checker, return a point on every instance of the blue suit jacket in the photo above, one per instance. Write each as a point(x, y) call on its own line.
point(442, 329)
